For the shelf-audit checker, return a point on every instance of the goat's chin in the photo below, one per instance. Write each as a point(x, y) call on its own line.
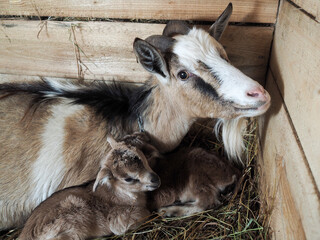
point(252, 110)
point(151, 188)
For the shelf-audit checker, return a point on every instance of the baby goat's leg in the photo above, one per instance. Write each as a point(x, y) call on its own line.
point(126, 218)
point(181, 209)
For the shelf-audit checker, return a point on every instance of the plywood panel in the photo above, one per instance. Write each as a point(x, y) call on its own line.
point(295, 62)
point(291, 195)
point(105, 49)
point(310, 6)
point(263, 11)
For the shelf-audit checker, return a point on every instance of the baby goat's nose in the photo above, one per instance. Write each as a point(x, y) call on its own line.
point(155, 179)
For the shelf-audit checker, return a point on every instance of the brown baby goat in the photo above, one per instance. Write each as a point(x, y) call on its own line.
point(114, 203)
point(192, 180)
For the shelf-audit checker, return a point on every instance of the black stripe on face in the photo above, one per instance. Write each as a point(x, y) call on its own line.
point(204, 88)
point(213, 73)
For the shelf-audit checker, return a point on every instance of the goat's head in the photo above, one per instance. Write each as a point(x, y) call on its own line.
point(126, 167)
point(194, 68)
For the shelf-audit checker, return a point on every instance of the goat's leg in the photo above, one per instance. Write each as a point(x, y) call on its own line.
point(181, 209)
point(126, 218)
point(67, 236)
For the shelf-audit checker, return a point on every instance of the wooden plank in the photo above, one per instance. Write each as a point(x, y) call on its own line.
point(106, 49)
point(310, 6)
point(262, 11)
point(290, 194)
point(23, 78)
point(295, 62)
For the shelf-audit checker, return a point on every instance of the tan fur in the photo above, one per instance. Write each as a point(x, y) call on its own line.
point(19, 145)
point(101, 207)
point(85, 139)
point(192, 180)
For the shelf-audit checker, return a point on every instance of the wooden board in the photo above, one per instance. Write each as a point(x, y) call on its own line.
point(262, 11)
point(291, 196)
point(105, 49)
point(295, 62)
point(310, 6)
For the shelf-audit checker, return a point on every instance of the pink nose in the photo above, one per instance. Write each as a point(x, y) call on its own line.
point(259, 93)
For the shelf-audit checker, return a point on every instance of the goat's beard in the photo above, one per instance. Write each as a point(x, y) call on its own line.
point(232, 136)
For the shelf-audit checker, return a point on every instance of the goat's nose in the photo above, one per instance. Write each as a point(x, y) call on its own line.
point(155, 179)
point(258, 93)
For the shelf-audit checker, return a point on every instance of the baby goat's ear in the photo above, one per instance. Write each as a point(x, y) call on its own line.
point(104, 177)
point(151, 59)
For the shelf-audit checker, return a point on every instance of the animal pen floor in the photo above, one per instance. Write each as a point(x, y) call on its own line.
point(239, 217)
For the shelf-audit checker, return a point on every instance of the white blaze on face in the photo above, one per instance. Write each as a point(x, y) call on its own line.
point(245, 95)
point(235, 86)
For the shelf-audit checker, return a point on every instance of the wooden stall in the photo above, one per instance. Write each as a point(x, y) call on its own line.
point(275, 42)
point(290, 146)
point(93, 40)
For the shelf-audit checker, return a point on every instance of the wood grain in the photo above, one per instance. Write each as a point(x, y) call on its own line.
point(295, 61)
point(288, 190)
point(310, 6)
point(262, 11)
point(105, 49)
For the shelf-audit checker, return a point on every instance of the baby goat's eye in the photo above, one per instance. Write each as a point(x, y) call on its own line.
point(129, 179)
point(183, 75)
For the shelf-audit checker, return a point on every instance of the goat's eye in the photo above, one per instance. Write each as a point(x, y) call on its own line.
point(183, 75)
point(129, 179)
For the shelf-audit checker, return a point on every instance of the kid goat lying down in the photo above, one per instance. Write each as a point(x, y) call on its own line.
point(114, 203)
point(191, 181)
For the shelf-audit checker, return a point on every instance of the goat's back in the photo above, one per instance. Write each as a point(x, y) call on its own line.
point(44, 147)
point(70, 209)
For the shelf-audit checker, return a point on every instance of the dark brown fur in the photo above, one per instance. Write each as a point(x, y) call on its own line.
point(192, 180)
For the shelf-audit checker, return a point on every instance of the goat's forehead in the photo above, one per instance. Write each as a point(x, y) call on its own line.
point(127, 156)
point(196, 46)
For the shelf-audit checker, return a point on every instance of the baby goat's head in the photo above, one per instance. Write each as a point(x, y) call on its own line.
point(193, 67)
point(126, 167)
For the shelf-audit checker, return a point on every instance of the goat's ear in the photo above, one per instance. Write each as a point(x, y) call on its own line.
point(113, 143)
point(104, 177)
point(176, 27)
point(151, 59)
point(217, 29)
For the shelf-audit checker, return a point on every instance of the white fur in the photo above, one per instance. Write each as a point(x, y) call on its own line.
point(183, 210)
point(49, 168)
point(60, 86)
point(198, 45)
point(232, 136)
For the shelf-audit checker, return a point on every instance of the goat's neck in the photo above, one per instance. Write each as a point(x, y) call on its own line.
point(119, 196)
point(124, 196)
point(165, 120)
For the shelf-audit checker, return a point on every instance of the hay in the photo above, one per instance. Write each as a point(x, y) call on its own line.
point(238, 217)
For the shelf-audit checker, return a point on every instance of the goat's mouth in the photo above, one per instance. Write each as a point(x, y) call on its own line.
point(259, 108)
point(152, 187)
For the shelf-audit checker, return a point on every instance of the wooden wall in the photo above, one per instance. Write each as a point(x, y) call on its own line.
point(290, 156)
point(102, 49)
point(92, 39)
